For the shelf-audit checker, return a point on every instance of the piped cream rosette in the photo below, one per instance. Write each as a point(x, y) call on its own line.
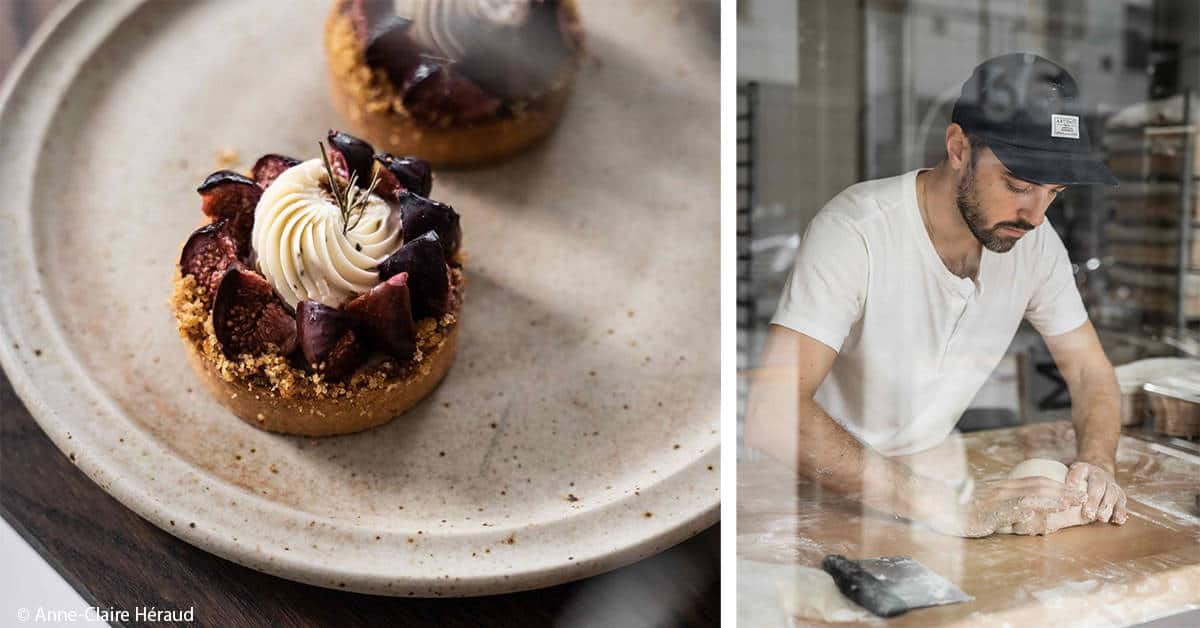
point(299, 242)
point(444, 26)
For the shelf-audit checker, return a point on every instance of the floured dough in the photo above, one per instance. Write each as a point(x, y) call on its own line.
point(810, 594)
point(1055, 470)
point(772, 595)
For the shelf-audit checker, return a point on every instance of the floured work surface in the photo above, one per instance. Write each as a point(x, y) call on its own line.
point(1093, 575)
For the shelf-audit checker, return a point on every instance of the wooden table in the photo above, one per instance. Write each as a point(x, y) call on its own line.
point(1086, 576)
point(113, 558)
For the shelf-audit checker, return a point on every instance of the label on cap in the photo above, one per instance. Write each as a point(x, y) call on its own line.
point(1064, 126)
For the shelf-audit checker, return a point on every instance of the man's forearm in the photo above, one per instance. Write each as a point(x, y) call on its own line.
point(839, 462)
point(816, 447)
point(1095, 395)
point(1096, 415)
point(783, 420)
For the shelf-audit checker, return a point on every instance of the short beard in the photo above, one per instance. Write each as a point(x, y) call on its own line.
point(968, 206)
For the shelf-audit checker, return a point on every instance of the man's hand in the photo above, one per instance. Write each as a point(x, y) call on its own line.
point(1105, 500)
point(1039, 524)
point(1096, 415)
point(996, 504)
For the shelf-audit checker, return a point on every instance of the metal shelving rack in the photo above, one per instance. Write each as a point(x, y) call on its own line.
point(747, 104)
point(1186, 133)
point(1186, 223)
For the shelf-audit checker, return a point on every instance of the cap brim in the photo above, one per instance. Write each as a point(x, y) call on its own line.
point(1052, 167)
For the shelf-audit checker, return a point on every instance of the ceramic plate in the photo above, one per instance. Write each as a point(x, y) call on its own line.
point(578, 429)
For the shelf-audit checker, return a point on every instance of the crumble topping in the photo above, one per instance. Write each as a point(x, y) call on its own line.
point(193, 316)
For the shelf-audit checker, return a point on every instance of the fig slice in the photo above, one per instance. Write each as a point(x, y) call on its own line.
point(412, 174)
point(431, 90)
point(355, 155)
point(227, 194)
point(346, 355)
point(269, 167)
point(326, 340)
point(318, 329)
point(389, 187)
point(389, 47)
point(249, 318)
point(425, 262)
point(384, 315)
point(419, 215)
point(208, 252)
point(435, 94)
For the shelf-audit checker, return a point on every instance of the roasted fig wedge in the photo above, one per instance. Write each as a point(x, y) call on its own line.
point(328, 343)
point(357, 155)
point(345, 356)
point(425, 262)
point(227, 194)
point(318, 329)
point(419, 215)
point(248, 317)
point(434, 93)
point(269, 167)
point(389, 187)
point(390, 48)
point(384, 315)
point(207, 254)
point(412, 174)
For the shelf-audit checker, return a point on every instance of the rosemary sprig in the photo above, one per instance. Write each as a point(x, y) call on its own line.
point(351, 200)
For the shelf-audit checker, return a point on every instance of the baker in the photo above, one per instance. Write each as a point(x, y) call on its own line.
point(906, 293)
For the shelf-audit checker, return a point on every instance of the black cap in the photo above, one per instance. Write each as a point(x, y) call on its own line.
point(1029, 110)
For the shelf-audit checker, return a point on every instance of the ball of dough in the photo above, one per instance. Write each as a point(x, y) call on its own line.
point(1057, 471)
point(1039, 467)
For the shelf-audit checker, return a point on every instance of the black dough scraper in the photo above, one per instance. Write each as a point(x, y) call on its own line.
point(891, 585)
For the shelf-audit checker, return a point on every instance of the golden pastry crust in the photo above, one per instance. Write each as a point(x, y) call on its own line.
point(368, 100)
point(270, 393)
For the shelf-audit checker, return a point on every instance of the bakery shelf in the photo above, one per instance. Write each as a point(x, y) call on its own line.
point(1154, 129)
point(1151, 242)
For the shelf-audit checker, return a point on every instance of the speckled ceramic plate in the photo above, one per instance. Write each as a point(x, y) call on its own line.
point(578, 429)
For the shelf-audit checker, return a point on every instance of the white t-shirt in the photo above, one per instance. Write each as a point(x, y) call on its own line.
point(915, 342)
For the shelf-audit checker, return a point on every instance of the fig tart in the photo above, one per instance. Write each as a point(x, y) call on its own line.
point(459, 82)
point(322, 296)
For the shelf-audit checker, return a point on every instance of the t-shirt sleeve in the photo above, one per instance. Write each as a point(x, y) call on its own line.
point(1055, 306)
point(825, 292)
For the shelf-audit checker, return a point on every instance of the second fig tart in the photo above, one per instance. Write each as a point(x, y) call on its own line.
point(459, 82)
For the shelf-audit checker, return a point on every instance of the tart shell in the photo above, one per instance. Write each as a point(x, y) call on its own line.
point(291, 401)
point(365, 99)
point(263, 408)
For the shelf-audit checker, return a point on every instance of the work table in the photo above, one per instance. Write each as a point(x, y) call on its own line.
point(1100, 574)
